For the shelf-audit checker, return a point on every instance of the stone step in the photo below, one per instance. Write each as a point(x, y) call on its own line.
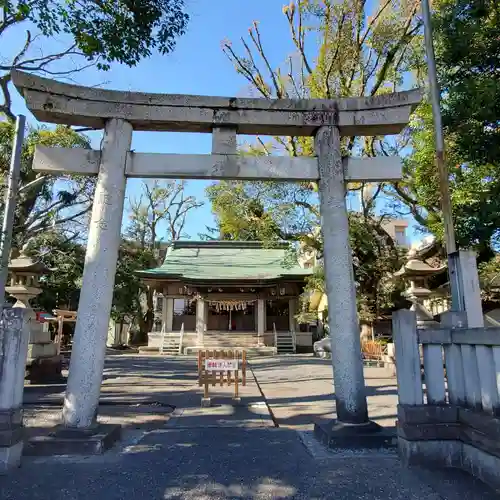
point(191, 351)
point(228, 342)
point(284, 343)
point(170, 346)
point(251, 352)
point(230, 337)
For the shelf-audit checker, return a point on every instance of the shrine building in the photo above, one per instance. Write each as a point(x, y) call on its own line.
point(226, 294)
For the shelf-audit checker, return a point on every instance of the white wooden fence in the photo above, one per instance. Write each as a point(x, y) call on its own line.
point(455, 420)
point(461, 366)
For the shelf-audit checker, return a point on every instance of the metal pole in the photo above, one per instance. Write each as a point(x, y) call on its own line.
point(444, 184)
point(10, 204)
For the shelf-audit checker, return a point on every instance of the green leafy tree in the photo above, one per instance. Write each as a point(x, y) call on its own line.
point(489, 275)
point(46, 202)
point(100, 32)
point(342, 49)
point(258, 211)
point(375, 258)
point(466, 36)
point(65, 259)
point(129, 290)
point(265, 211)
point(468, 55)
point(475, 190)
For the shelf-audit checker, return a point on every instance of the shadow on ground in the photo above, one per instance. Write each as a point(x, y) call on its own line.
point(233, 463)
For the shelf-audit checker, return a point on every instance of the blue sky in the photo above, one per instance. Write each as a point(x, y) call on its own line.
point(197, 66)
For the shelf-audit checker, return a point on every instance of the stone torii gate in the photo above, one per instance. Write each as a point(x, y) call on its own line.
point(120, 113)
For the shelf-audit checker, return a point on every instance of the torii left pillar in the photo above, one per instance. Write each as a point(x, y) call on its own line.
point(89, 343)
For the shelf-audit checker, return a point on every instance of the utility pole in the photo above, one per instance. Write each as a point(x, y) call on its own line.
point(444, 183)
point(10, 204)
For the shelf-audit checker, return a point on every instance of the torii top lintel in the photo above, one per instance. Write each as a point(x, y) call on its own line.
point(55, 102)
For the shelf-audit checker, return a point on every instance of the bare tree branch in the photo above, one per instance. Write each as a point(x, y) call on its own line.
point(410, 203)
point(374, 21)
point(37, 64)
point(391, 54)
point(5, 108)
point(241, 68)
point(256, 38)
point(159, 202)
point(56, 222)
point(334, 57)
point(264, 147)
point(298, 33)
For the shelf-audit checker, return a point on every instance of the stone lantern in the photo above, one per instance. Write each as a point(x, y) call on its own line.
point(23, 280)
point(43, 363)
point(416, 273)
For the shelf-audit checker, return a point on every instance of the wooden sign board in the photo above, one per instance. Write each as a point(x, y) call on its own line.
point(221, 367)
point(214, 365)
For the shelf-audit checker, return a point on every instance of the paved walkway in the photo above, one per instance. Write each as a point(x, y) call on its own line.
point(218, 453)
point(299, 389)
point(142, 392)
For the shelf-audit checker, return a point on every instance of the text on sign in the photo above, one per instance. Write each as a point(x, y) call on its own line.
point(221, 364)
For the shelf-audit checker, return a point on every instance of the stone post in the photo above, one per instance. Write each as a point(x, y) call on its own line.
point(261, 321)
point(158, 311)
point(89, 342)
point(292, 311)
point(206, 316)
point(200, 321)
point(168, 314)
point(349, 382)
point(14, 338)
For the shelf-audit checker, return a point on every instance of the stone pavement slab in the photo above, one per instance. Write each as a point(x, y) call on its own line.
point(222, 415)
point(141, 392)
point(299, 389)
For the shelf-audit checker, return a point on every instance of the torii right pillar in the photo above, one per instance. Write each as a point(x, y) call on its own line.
point(352, 426)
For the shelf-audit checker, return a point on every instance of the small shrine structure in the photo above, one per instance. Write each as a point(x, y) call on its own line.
point(230, 294)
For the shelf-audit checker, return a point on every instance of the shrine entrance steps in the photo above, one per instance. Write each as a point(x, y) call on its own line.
point(285, 343)
point(169, 343)
point(252, 352)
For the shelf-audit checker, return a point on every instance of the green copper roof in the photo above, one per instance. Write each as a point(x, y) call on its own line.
point(225, 261)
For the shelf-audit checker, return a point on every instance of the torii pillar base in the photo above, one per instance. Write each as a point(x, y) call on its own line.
point(64, 441)
point(336, 435)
